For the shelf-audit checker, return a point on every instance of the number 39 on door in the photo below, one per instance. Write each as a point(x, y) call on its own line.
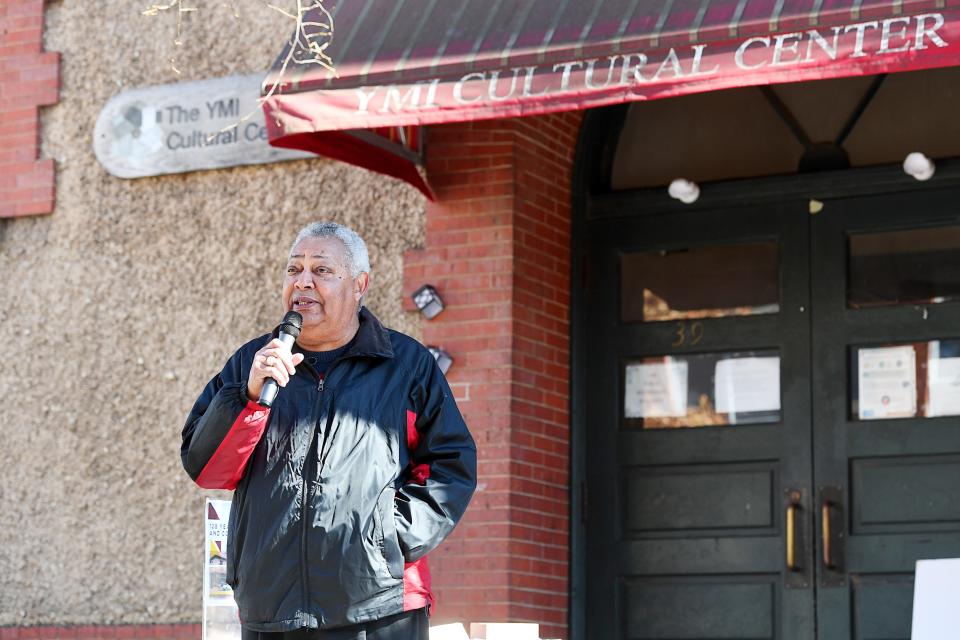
point(688, 333)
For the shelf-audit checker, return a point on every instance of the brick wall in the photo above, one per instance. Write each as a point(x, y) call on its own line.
point(497, 249)
point(151, 631)
point(29, 78)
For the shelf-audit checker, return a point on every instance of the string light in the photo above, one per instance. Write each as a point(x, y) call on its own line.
point(685, 191)
point(919, 166)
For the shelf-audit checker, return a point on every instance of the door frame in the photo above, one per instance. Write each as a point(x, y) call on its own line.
point(593, 199)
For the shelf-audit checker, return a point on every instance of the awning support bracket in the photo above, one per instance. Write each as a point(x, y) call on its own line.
point(783, 111)
point(861, 108)
point(820, 156)
point(787, 116)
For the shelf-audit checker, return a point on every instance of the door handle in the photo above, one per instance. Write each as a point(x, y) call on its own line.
point(825, 535)
point(792, 536)
point(832, 537)
point(799, 569)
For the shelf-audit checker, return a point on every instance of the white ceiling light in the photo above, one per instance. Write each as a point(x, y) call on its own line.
point(919, 166)
point(684, 191)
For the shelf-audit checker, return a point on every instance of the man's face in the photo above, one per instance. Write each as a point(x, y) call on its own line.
point(318, 286)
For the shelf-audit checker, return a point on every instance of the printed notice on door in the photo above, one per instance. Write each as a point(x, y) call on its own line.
point(745, 385)
point(656, 389)
point(888, 383)
point(943, 385)
point(220, 616)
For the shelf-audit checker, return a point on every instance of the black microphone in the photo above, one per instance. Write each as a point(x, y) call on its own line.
point(289, 330)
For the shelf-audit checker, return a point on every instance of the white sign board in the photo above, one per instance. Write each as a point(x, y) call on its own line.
point(452, 631)
point(742, 385)
point(656, 390)
point(187, 126)
point(936, 600)
point(887, 382)
point(221, 620)
point(505, 631)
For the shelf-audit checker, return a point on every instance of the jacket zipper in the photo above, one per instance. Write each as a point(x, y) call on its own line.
point(322, 442)
point(304, 500)
point(303, 547)
point(305, 496)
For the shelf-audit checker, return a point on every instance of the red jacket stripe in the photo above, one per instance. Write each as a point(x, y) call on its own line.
point(417, 591)
point(413, 436)
point(226, 466)
point(419, 473)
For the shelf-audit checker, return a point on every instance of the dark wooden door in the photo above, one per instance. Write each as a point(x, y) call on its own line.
point(886, 279)
point(686, 526)
point(797, 521)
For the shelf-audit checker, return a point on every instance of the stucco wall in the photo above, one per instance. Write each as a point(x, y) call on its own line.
point(117, 308)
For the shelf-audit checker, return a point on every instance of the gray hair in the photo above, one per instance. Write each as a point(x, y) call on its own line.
point(358, 260)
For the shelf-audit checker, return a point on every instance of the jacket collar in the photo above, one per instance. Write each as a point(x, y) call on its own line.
point(372, 339)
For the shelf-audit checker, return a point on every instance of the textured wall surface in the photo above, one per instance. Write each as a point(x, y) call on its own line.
point(117, 308)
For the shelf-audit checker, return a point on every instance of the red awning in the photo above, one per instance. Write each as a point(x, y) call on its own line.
point(406, 63)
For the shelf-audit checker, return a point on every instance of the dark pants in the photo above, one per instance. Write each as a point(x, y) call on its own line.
point(409, 625)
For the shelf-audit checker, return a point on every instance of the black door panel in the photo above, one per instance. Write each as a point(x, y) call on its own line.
point(686, 530)
point(797, 523)
point(898, 476)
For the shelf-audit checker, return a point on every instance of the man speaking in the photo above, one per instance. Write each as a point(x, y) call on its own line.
point(358, 468)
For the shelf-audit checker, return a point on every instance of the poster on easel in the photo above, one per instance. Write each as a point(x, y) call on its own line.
point(221, 620)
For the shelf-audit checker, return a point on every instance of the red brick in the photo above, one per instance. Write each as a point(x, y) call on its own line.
point(24, 8)
point(23, 23)
point(188, 631)
point(29, 78)
point(32, 36)
point(498, 243)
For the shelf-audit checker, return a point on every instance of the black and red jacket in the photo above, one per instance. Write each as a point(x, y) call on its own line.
point(342, 487)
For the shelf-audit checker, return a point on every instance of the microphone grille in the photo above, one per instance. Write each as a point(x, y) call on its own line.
point(292, 323)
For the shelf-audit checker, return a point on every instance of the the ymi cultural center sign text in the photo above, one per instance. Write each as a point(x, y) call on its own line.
point(187, 126)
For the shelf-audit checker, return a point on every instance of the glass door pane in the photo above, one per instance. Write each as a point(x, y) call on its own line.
point(711, 281)
point(912, 266)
